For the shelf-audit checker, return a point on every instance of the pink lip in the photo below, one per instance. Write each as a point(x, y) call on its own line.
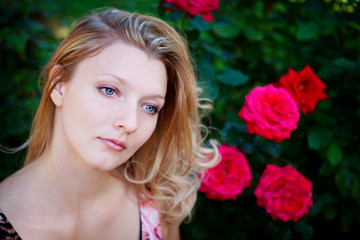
point(114, 144)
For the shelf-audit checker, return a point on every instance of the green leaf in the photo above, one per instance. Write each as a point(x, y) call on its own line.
point(176, 16)
point(209, 89)
point(271, 148)
point(343, 180)
point(259, 158)
point(291, 149)
point(334, 154)
point(17, 41)
point(321, 201)
point(199, 23)
point(345, 63)
point(210, 48)
point(354, 25)
point(232, 131)
point(319, 138)
point(326, 169)
point(219, 64)
point(307, 31)
point(253, 34)
point(225, 30)
point(306, 231)
point(248, 148)
point(330, 213)
point(233, 77)
point(207, 71)
point(259, 9)
point(279, 7)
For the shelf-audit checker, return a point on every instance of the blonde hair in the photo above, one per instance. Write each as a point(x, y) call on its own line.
point(166, 168)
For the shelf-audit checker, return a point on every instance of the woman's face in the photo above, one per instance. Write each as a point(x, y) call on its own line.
point(110, 106)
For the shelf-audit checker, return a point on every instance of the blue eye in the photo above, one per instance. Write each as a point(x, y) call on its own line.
point(151, 109)
point(107, 91)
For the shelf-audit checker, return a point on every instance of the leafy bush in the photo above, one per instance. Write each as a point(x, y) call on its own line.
point(254, 43)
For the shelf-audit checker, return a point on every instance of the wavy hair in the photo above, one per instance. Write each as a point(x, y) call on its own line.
point(166, 168)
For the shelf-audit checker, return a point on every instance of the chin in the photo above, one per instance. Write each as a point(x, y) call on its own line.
point(105, 166)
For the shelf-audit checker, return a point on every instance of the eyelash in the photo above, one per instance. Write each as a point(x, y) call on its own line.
point(104, 90)
point(155, 109)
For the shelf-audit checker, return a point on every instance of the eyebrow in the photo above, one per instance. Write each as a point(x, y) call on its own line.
point(123, 81)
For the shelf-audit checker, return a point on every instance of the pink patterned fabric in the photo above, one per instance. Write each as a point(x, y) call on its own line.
point(150, 221)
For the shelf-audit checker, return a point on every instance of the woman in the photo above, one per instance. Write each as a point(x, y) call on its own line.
point(115, 149)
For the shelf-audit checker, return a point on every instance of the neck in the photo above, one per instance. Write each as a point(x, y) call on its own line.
point(73, 183)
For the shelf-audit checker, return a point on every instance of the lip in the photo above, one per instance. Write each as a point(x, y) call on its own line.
point(114, 144)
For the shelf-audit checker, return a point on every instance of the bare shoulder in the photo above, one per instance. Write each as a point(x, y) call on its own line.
point(17, 194)
point(12, 195)
point(15, 204)
point(9, 189)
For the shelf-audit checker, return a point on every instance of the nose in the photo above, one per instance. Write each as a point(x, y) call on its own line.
point(127, 120)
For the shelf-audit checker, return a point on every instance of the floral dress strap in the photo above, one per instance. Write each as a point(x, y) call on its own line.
point(150, 221)
point(7, 231)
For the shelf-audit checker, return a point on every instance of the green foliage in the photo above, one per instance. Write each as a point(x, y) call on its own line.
point(250, 43)
point(253, 43)
point(24, 47)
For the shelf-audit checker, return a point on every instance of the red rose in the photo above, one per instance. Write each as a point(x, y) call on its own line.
point(305, 87)
point(284, 193)
point(229, 177)
point(270, 112)
point(202, 8)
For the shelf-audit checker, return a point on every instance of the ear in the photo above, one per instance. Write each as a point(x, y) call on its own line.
point(57, 94)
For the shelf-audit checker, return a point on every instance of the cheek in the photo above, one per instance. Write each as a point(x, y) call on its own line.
point(84, 111)
point(82, 115)
point(92, 110)
point(147, 129)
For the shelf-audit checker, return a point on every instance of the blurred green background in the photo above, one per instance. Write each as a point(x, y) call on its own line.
point(250, 43)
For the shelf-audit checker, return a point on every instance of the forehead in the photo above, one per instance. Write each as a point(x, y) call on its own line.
point(126, 62)
point(120, 55)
